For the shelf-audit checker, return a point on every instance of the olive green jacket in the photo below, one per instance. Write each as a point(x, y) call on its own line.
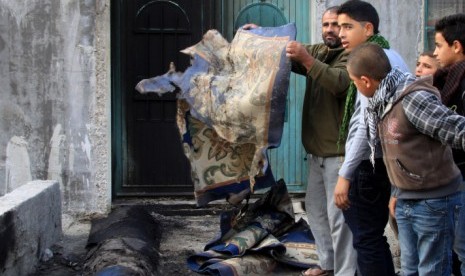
point(323, 108)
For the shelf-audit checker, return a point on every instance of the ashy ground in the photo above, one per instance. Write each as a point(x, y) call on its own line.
point(185, 231)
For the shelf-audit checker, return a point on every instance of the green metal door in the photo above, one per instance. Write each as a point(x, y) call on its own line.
point(287, 161)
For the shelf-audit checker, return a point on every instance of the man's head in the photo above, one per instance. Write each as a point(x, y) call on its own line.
point(358, 21)
point(427, 64)
point(330, 28)
point(368, 65)
point(450, 39)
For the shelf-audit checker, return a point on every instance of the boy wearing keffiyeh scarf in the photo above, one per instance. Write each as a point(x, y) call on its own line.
point(406, 117)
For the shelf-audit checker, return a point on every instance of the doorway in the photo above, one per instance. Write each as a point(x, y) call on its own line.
point(147, 35)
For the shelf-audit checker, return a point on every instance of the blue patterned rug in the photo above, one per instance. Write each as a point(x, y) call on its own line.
point(231, 108)
point(230, 111)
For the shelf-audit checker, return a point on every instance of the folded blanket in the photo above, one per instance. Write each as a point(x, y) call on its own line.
point(262, 239)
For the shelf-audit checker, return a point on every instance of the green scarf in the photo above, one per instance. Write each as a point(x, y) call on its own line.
point(349, 107)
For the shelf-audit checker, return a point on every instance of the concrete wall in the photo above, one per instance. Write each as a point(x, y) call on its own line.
point(30, 223)
point(55, 98)
point(401, 23)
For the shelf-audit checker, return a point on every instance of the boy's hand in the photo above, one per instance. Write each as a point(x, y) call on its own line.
point(392, 206)
point(341, 193)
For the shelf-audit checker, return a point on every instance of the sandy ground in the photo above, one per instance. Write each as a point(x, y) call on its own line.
point(186, 230)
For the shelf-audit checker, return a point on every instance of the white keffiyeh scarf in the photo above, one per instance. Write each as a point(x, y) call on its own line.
point(377, 106)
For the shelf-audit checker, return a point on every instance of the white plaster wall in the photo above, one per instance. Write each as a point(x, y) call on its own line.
point(55, 95)
point(401, 23)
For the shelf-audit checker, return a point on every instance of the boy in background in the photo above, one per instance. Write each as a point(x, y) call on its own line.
point(427, 64)
point(450, 80)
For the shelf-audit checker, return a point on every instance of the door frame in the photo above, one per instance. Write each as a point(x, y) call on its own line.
point(117, 122)
point(118, 112)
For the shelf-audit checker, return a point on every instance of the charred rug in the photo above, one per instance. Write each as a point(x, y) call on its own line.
point(231, 108)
